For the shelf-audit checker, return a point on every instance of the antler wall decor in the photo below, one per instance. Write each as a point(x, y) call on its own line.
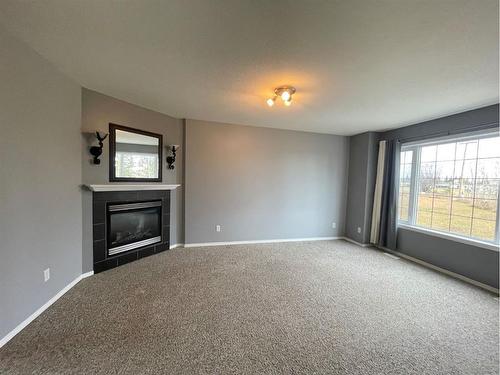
point(171, 158)
point(96, 151)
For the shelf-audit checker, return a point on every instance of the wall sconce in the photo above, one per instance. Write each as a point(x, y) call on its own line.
point(171, 158)
point(96, 151)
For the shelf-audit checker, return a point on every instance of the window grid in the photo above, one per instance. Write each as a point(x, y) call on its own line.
point(452, 189)
point(434, 185)
point(412, 200)
point(474, 196)
point(405, 194)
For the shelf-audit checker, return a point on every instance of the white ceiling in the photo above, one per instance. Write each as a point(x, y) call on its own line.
point(357, 65)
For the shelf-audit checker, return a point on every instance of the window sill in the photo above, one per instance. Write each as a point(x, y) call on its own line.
point(452, 237)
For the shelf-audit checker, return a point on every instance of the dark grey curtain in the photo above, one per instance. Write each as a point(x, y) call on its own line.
point(390, 193)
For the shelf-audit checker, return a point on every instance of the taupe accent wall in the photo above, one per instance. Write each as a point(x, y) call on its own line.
point(40, 169)
point(98, 110)
point(263, 184)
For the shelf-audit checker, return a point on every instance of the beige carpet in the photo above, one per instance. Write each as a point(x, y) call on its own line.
point(292, 308)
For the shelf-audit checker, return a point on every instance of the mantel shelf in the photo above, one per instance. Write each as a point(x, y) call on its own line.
point(130, 187)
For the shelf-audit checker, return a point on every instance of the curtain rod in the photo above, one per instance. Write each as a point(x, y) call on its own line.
point(449, 132)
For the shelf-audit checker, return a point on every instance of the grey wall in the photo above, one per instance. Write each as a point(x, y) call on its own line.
point(40, 173)
point(363, 153)
point(474, 262)
point(261, 183)
point(98, 110)
point(486, 117)
point(371, 176)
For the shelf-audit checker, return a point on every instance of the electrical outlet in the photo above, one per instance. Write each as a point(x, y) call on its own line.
point(334, 225)
point(46, 275)
point(217, 228)
point(359, 229)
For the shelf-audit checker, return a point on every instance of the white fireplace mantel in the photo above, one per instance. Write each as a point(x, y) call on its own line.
point(129, 187)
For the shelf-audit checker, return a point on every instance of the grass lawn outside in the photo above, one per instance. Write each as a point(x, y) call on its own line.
point(461, 215)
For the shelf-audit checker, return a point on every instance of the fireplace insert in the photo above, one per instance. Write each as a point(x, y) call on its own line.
point(133, 225)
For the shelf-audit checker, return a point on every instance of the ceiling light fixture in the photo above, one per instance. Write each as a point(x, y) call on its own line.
point(285, 93)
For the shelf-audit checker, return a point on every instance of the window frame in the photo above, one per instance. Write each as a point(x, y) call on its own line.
point(416, 148)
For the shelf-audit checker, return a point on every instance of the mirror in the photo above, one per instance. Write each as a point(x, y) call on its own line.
point(134, 155)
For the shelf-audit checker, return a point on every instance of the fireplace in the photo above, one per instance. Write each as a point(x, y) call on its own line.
point(133, 225)
point(128, 224)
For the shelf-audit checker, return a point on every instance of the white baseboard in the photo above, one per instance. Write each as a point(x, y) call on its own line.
point(175, 245)
point(390, 255)
point(442, 270)
point(356, 242)
point(261, 241)
point(4, 340)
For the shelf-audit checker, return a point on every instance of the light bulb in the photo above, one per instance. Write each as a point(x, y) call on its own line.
point(288, 102)
point(270, 102)
point(285, 96)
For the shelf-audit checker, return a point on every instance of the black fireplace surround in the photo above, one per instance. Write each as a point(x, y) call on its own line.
point(129, 225)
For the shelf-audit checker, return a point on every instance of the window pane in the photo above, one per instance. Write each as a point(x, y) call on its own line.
point(460, 225)
point(405, 172)
point(465, 169)
point(483, 229)
point(427, 170)
point(403, 206)
point(442, 205)
point(488, 168)
point(485, 209)
point(489, 147)
point(428, 153)
point(446, 151)
point(445, 169)
point(424, 202)
point(467, 150)
point(486, 188)
point(462, 207)
point(404, 183)
point(408, 157)
point(463, 188)
point(403, 213)
point(443, 187)
point(426, 186)
point(440, 222)
point(404, 188)
point(424, 218)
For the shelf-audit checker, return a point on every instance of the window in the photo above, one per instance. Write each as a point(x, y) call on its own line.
point(452, 186)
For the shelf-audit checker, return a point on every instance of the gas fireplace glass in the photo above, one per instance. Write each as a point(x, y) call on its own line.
point(133, 225)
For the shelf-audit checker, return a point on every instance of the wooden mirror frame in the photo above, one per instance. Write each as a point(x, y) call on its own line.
point(112, 152)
